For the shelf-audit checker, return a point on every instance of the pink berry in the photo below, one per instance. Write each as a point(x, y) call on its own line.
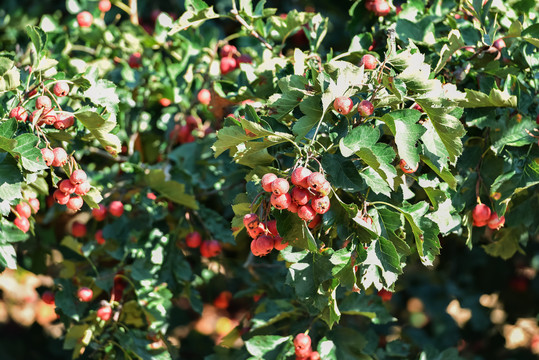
point(48, 156)
point(293, 207)
point(321, 204)
point(368, 61)
point(300, 195)
point(85, 19)
point(267, 179)
point(193, 239)
point(104, 5)
point(18, 113)
point(316, 180)
point(60, 197)
point(60, 157)
point(104, 312)
point(34, 204)
point(302, 341)
point(85, 294)
point(43, 102)
point(281, 202)
point(254, 233)
point(381, 8)
point(210, 248)
point(100, 213)
point(325, 188)
point(116, 208)
point(78, 229)
point(250, 221)
point(22, 223)
point(481, 214)
point(78, 176)
point(48, 117)
point(244, 59)
point(314, 222)
point(499, 44)
point(204, 96)
point(343, 105)
point(61, 88)
point(306, 212)
point(66, 187)
point(227, 65)
point(407, 168)
point(262, 245)
point(99, 237)
point(75, 203)
point(228, 50)
point(279, 186)
point(272, 227)
point(365, 108)
point(23, 209)
point(278, 243)
point(495, 222)
point(83, 188)
point(299, 176)
point(64, 121)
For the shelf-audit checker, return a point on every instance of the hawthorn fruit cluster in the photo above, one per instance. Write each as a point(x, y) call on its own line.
point(303, 349)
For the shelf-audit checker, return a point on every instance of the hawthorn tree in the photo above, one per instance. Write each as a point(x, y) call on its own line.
point(226, 184)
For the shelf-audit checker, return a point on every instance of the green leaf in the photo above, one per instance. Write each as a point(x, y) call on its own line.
point(403, 125)
point(38, 37)
point(505, 244)
point(10, 80)
point(419, 31)
point(8, 257)
point(342, 173)
point(293, 229)
point(30, 156)
point(368, 306)
point(10, 188)
point(216, 225)
point(100, 128)
point(455, 43)
point(170, 189)
point(495, 98)
point(311, 107)
point(425, 231)
point(103, 92)
point(194, 16)
point(261, 344)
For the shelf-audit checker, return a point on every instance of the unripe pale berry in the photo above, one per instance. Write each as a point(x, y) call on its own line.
point(78, 229)
point(320, 204)
point(193, 239)
point(316, 180)
point(300, 196)
point(210, 248)
point(116, 208)
point(43, 102)
point(83, 188)
point(299, 176)
point(78, 176)
point(22, 223)
point(227, 65)
point(267, 180)
point(99, 237)
point(34, 204)
point(343, 105)
point(23, 209)
point(281, 202)
point(104, 313)
point(368, 61)
point(61, 89)
point(104, 5)
point(66, 187)
point(100, 213)
point(250, 221)
point(75, 203)
point(85, 19)
point(280, 186)
point(306, 212)
point(85, 294)
point(204, 96)
point(18, 113)
point(60, 197)
point(365, 108)
point(60, 157)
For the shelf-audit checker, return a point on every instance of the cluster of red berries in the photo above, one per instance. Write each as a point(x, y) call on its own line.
point(86, 294)
point(44, 114)
point(231, 59)
point(208, 248)
point(24, 210)
point(343, 105)
point(265, 236)
point(183, 133)
point(116, 209)
point(378, 7)
point(308, 198)
point(482, 215)
point(303, 349)
point(70, 191)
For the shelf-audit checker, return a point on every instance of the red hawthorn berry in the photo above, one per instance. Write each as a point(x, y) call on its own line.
point(61, 89)
point(369, 5)
point(135, 60)
point(222, 300)
point(381, 8)
point(204, 96)
point(99, 237)
point(100, 213)
point(280, 186)
point(64, 121)
point(302, 341)
point(85, 294)
point(316, 180)
point(251, 221)
point(481, 215)
point(368, 61)
point(78, 229)
point(281, 202)
point(495, 222)
point(18, 113)
point(34, 204)
point(22, 223)
point(78, 176)
point(227, 65)
point(85, 19)
point(262, 245)
point(299, 176)
point(314, 222)
point(418, 107)
point(48, 297)
point(406, 168)
point(385, 295)
point(293, 207)
point(192, 121)
point(23, 209)
point(43, 102)
point(104, 5)
point(325, 188)
point(66, 187)
point(116, 208)
point(300, 196)
point(48, 156)
point(267, 180)
point(228, 50)
point(365, 108)
point(60, 197)
point(60, 157)
point(306, 212)
point(272, 227)
point(343, 105)
point(184, 135)
point(104, 312)
point(193, 239)
point(48, 117)
point(315, 355)
point(499, 44)
point(278, 243)
point(75, 203)
point(83, 188)
point(151, 196)
point(165, 102)
point(254, 233)
point(210, 248)
point(244, 59)
point(320, 204)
